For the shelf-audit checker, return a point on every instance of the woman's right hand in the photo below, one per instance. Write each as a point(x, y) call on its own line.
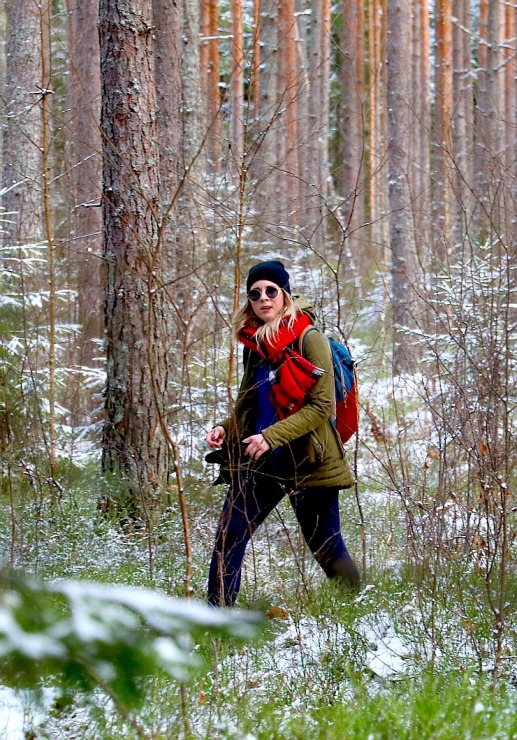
point(216, 437)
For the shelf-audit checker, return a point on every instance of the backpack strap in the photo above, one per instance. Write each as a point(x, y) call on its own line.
point(300, 341)
point(300, 346)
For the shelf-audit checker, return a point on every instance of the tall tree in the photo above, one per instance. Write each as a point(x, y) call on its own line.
point(86, 160)
point(400, 217)
point(494, 112)
point(314, 145)
point(168, 47)
point(378, 195)
point(168, 23)
point(193, 196)
point(136, 308)
point(352, 77)
point(463, 120)
point(255, 58)
point(237, 83)
point(210, 73)
point(488, 118)
point(510, 117)
point(443, 129)
point(421, 125)
point(23, 125)
point(27, 173)
point(287, 92)
point(265, 132)
point(510, 81)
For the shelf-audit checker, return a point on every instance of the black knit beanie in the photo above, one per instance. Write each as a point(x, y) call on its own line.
point(272, 270)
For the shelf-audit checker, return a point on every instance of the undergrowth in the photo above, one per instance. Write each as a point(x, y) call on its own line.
point(410, 656)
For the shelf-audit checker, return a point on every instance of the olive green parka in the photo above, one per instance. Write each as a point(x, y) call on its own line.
point(311, 453)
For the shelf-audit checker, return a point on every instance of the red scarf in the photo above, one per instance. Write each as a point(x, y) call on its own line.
point(293, 376)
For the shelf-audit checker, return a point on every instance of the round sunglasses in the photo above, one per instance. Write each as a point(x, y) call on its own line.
point(271, 293)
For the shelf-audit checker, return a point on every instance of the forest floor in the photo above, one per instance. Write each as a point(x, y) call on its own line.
point(426, 649)
point(413, 655)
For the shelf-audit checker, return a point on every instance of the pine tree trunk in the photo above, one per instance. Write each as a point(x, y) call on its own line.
point(204, 32)
point(255, 59)
point(352, 77)
point(510, 82)
point(168, 23)
point(85, 152)
point(421, 112)
point(287, 92)
point(210, 74)
point(510, 121)
point(377, 118)
point(23, 126)
point(136, 309)
point(237, 85)
point(494, 112)
point(168, 48)
point(315, 146)
point(400, 216)
point(443, 132)
point(325, 37)
point(194, 156)
point(463, 122)
point(263, 149)
point(489, 111)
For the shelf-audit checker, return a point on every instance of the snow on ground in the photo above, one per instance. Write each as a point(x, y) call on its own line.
point(384, 656)
point(12, 715)
point(312, 646)
point(19, 712)
point(388, 651)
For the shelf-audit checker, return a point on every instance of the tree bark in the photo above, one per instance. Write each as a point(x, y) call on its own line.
point(168, 34)
point(378, 196)
point(192, 241)
point(211, 75)
point(463, 120)
point(255, 59)
point(193, 196)
point(510, 120)
point(287, 92)
point(85, 146)
point(510, 82)
point(136, 309)
point(494, 112)
point(400, 216)
point(421, 127)
point(204, 32)
point(489, 113)
point(237, 85)
point(23, 126)
point(352, 126)
point(168, 47)
point(263, 149)
point(315, 141)
point(443, 132)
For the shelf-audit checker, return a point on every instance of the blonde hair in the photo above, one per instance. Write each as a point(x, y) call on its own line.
point(245, 316)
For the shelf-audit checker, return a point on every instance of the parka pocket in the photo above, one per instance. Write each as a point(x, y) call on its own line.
point(315, 449)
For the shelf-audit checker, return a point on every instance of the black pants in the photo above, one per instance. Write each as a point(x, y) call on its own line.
point(246, 506)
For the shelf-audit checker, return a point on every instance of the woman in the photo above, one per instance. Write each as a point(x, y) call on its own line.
point(279, 440)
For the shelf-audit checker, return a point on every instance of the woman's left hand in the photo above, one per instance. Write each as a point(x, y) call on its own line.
point(257, 446)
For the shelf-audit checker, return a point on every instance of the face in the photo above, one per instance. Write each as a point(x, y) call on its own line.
point(266, 309)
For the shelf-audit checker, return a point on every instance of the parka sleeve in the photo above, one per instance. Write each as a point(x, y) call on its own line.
point(319, 403)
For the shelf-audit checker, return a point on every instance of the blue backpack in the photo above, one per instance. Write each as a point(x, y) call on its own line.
point(345, 384)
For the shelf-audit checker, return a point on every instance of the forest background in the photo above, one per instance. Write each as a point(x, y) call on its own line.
point(154, 150)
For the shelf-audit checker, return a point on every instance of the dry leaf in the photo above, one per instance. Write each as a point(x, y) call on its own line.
point(277, 612)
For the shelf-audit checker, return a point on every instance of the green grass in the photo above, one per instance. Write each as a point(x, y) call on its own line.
point(308, 674)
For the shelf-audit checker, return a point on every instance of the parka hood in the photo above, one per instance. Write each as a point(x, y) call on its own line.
point(306, 308)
